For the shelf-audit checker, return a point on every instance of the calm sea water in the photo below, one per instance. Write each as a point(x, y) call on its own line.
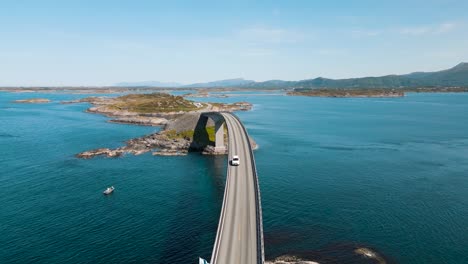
point(389, 174)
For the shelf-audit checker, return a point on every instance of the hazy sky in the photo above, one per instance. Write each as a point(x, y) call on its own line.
point(104, 42)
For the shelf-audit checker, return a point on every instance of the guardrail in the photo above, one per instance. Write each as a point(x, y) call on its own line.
point(258, 204)
point(221, 218)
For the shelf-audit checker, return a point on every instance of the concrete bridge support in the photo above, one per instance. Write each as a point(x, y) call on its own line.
point(219, 123)
point(220, 147)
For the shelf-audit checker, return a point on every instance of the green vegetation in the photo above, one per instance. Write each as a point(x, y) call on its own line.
point(436, 90)
point(348, 92)
point(453, 77)
point(172, 134)
point(373, 92)
point(150, 103)
point(211, 133)
point(188, 134)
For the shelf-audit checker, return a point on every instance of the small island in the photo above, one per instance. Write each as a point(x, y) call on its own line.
point(179, 117)
point(32, 101)
point(154, 109)
point(379, 93)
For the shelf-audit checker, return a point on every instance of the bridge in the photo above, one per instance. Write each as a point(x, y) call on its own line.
point(239, 239)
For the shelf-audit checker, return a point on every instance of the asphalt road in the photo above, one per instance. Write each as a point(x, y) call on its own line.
point(236, 239)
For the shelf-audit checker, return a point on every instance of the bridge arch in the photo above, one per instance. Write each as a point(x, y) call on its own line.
point(201, 135)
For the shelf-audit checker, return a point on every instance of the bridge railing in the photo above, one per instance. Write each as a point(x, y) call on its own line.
point(221, 219)
point(258, 204)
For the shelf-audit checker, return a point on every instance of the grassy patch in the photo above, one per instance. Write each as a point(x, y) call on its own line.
point(211, 133)
point(152, 103)
point(172, 134)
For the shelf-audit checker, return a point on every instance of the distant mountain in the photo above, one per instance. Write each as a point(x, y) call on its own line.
point(149, 83)
point(239, 82)
point(453, 77)
point(456, 76)
point(272, 83)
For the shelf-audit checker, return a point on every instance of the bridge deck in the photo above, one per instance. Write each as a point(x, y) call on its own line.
point(240, 236)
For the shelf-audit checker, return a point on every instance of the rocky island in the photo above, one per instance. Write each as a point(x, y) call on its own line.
point(32, 101)
point(153, 109)
point(179, 117)
point(179, 136)
point(348, 93)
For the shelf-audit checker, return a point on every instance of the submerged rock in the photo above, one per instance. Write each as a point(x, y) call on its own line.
point(286, 259)
point(170, 153)
point(100, 152)
point(368, 253)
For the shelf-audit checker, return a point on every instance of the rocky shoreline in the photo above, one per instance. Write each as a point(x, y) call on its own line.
point(286, 259)
point(159, 143)
point(106, 106)
point(171, 141)
point(349, 93)
point(178, 136)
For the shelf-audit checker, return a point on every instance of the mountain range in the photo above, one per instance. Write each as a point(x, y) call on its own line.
point(453, 77)
point(222, 83)
point(149, 83)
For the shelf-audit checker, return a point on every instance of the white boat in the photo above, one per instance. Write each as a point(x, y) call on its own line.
point(109, 190)
point(202, 261)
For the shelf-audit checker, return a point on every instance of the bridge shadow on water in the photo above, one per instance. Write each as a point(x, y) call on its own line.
point(195, 218)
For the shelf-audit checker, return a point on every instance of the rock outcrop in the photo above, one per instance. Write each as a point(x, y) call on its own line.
point(141, 120)
point(160, 143)
point(152, 109)
point(289, 260)
point(177, 139)
point(32, 101)
point(182, 130)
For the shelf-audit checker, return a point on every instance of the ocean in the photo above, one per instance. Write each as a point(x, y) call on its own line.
point(335, 174)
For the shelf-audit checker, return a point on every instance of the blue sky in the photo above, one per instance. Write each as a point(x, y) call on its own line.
point(59, 43)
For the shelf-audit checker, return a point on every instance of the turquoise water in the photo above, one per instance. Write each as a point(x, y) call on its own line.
point(390, 174)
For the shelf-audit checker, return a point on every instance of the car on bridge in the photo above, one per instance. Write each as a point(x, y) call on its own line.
point(235, 160)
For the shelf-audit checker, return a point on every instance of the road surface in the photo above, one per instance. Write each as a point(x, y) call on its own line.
point(239, 239)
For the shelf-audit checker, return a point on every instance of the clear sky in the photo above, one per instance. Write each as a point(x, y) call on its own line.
point(104, 42)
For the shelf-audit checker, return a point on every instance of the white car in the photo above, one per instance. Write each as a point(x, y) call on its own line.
point(235, 160)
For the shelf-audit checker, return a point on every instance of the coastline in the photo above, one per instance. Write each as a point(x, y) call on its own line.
point(178, 134)
point(349, 93)
point(121, 111)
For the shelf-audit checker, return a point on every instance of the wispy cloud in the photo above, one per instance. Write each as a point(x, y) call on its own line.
point(429, 29)
point(446, 27)
point(419, 30)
